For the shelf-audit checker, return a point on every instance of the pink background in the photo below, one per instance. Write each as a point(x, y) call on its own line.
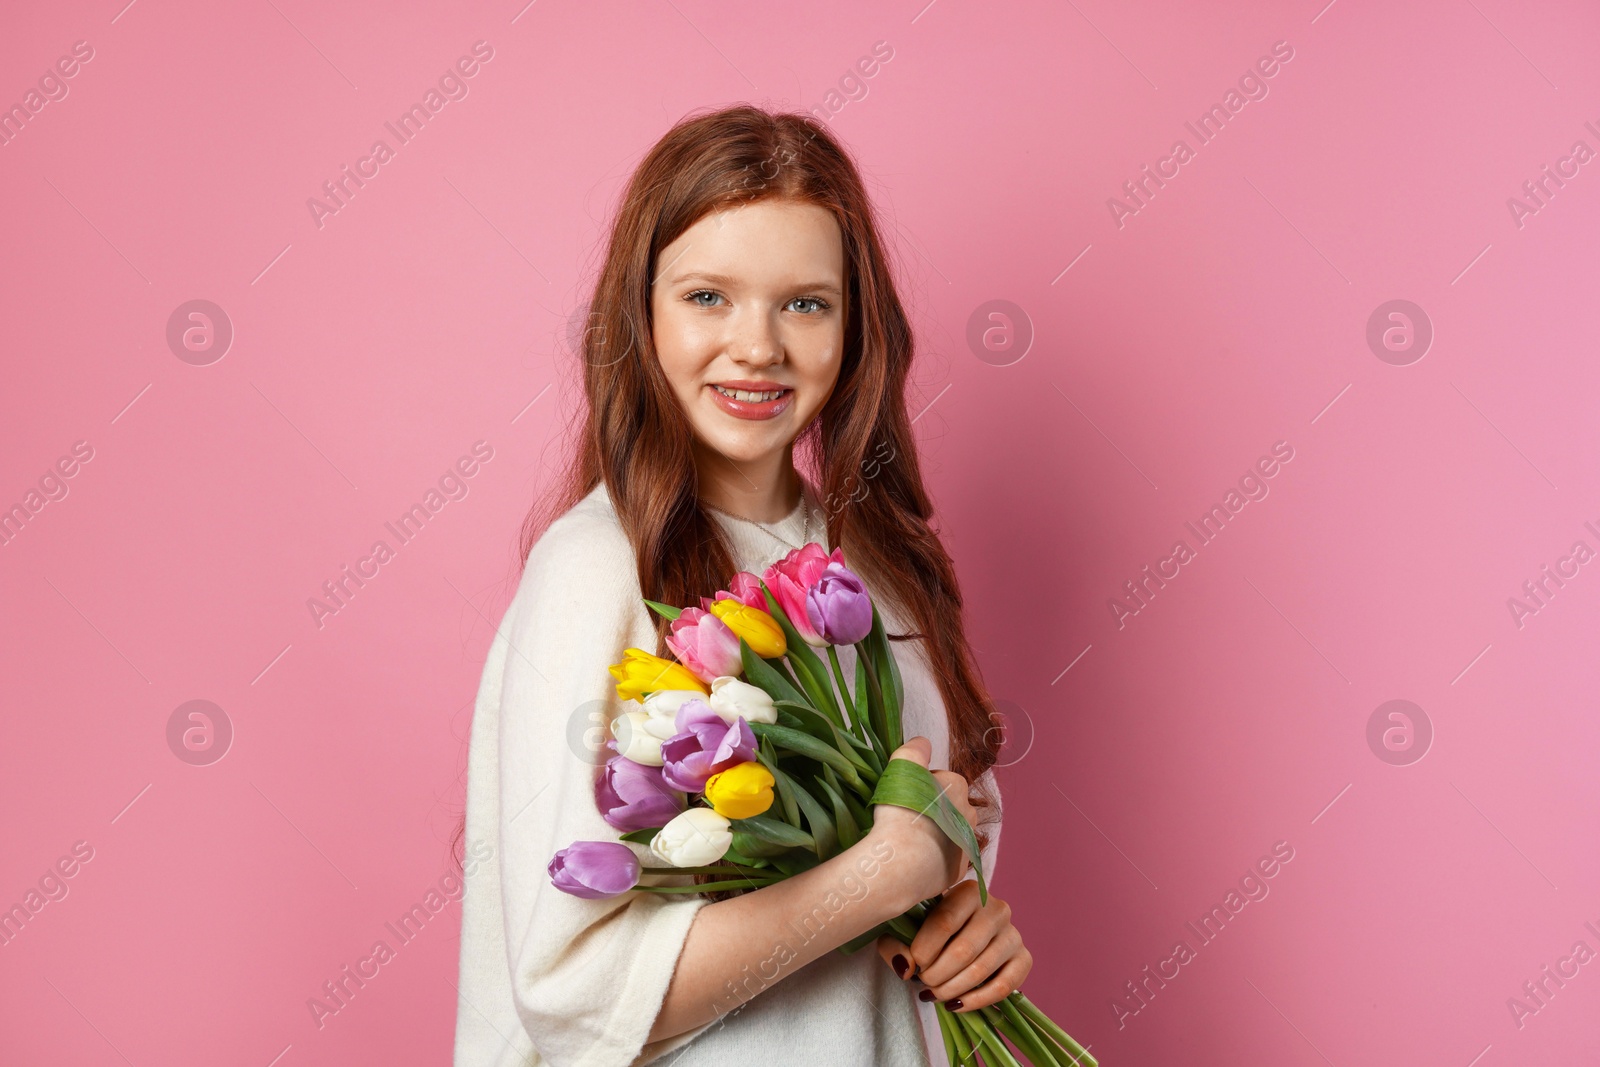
point(1227, 315)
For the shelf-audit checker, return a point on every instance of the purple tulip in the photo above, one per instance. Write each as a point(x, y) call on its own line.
point(632, 796)
point(704, 644)
point(838, 606)
point(595, 870)
point(791, 579)
point(704, 745)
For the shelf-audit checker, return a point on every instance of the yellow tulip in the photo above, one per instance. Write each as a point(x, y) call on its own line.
point(759, 629)
point(743, 790)
point(643, 673)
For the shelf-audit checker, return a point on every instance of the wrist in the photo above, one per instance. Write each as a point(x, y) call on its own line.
point(901, 869)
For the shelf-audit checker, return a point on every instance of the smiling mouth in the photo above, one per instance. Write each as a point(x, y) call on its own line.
point(754, 404)
point(749, 397)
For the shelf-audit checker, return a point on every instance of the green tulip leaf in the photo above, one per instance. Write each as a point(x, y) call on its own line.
point(666, 611)
point(806, 745)
point(806, 663)
point(794, 862)
point(822, 828)
point(805, 718)
point(642, 837)
point(910, 785)
point(843, 739)
point(784, 784)
point(861, 941)
point(761, 674)
point(883, 667)
point(733, 855)
point(849, 831)
point(773, 831)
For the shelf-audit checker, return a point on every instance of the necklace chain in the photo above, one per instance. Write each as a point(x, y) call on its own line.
point(805, 535)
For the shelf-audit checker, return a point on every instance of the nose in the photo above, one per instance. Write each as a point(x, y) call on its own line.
point(755, 340)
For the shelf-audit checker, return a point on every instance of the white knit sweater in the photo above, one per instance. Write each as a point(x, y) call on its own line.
point(547, 977)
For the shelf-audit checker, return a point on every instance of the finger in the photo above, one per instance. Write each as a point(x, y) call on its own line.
point(963, 952)
point(1005, 982)
point(948, 916)
point(891, 949)
point(1004, 945)
point(918, 750)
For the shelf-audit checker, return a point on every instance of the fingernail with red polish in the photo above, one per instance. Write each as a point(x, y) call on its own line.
point(899, 964)
point(925, 994)
point(955, 1005)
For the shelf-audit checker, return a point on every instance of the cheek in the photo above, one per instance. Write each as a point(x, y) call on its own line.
point(822, 374)
point(824, 371)
point(679, 347)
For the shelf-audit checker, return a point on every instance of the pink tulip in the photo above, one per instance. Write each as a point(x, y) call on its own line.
point(704, 644)
point(792, 577)
point(745, 588)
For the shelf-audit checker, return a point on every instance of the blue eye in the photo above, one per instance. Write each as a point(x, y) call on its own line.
point(809, 305)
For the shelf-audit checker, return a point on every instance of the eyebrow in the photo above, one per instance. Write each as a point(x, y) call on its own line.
point(723, 279)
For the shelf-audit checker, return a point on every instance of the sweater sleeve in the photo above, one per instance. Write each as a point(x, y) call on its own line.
point(588, 977)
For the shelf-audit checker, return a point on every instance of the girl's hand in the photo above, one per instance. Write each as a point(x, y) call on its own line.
point(966, 953)
point(935, 862)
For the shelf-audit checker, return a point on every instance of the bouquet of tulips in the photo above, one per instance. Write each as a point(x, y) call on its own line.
point(752, 759)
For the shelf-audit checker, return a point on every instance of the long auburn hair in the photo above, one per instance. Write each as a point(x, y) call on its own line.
point(634, 435)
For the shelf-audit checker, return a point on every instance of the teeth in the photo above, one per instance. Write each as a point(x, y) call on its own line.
point(748, 397)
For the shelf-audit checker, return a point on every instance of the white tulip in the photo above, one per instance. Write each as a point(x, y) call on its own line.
point(639, 735)
point(693, 838)
point(731, 698)
point(665, 703)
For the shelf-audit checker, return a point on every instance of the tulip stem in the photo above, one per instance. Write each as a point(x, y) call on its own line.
point(956, 1032)
point(1006, 1018)
point(715, 868)
point(844, 691)
point(710, 887)
point(1032, 1012)
point(877, 724)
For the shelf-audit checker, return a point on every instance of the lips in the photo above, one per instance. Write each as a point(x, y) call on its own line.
point(749, 409)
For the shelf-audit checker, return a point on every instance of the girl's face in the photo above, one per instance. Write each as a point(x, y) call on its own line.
point(749, 312)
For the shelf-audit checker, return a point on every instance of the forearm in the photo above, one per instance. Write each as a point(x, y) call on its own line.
point(740, 946)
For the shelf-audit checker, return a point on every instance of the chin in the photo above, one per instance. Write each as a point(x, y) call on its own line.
point(740, 443)
point(743, 450)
